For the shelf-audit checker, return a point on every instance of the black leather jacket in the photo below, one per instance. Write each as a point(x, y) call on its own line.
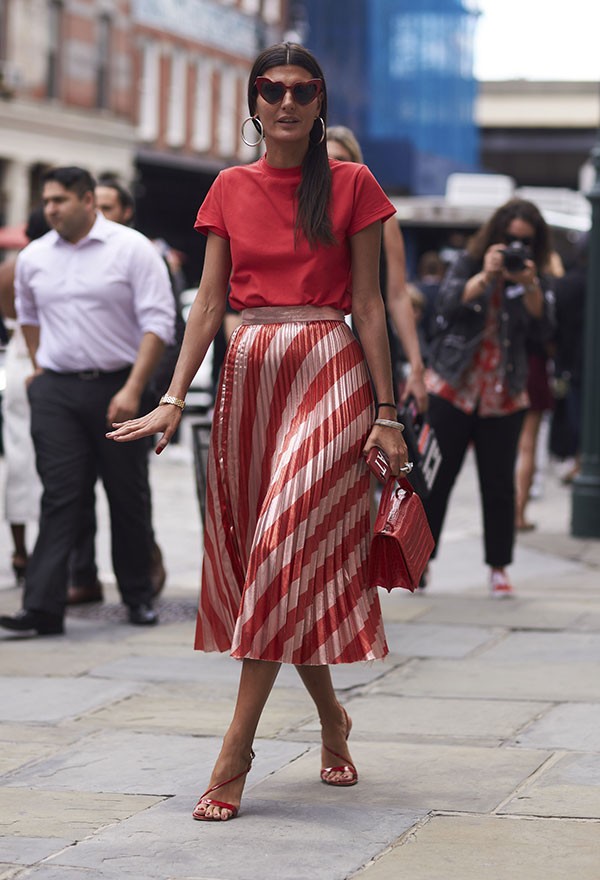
point(460, 326)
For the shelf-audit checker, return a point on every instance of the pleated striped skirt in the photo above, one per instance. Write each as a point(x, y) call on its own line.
point(287, 524)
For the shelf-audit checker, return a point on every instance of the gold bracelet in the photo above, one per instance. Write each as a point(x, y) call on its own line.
point(176, 401)
point(389, 423)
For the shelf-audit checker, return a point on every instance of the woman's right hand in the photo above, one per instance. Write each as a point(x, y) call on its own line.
point(493, 260)
point(163, 420)
point(492, 266)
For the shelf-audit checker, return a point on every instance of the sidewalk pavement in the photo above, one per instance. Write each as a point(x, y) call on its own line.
point(477, 741)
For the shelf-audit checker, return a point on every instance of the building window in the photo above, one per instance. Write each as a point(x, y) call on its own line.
point(55, 27)
point(228, 117)
point(176, 116)
point(148, 126)
point(203, 107)
point(103, 68)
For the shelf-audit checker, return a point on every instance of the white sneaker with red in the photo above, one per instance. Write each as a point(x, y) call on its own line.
point(500, 586)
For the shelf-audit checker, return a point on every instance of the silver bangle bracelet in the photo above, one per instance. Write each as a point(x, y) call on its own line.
point(389, 423)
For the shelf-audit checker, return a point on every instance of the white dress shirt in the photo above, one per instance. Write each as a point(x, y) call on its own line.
point(93, 300)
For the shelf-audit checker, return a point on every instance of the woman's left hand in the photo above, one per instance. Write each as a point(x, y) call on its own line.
point(391, 441)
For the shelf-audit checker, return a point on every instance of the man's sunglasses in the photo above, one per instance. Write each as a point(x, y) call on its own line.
point(302, 92)
point(525, 240)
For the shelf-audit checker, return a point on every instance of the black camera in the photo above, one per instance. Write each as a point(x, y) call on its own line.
point(515, 255)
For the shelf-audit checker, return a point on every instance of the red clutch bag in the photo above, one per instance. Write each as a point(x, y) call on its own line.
point(402, 540)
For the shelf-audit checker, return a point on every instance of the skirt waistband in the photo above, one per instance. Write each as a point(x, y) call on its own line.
point(289, 314)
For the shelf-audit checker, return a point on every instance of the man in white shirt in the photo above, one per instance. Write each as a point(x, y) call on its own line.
point(94, 300)
point(116, 203)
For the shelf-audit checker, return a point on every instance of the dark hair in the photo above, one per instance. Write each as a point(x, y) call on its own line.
point(314, 190)
point(36, 224)
point(78, 180)
point(494, 231)
point(123, 195)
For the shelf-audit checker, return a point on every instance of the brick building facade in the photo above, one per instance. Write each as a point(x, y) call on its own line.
point(150, 90)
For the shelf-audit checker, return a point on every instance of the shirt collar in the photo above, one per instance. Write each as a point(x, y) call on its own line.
point(100, 231)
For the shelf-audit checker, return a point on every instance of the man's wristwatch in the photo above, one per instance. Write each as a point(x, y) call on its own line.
point(176, 401)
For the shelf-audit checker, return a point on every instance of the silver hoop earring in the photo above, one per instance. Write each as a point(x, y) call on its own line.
point(255, 122)
point(322, 138)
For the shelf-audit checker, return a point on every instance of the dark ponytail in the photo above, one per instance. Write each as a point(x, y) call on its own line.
point(314, 191)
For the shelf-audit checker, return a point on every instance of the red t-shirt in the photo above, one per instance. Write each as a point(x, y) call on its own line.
point(254, 207)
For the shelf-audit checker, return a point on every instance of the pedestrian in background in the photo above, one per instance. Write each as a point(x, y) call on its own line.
point(287, 532)
point(22, 489)
point(570, 293)
point(116, 203)
point(343, 146)
point(94, 302)
point(430, 274)
point(488, 308)
point(541, 401)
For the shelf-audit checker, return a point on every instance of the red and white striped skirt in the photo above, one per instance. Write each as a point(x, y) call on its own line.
point(287, 525)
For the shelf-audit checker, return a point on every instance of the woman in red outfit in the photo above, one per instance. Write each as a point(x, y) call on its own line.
point(284, 580)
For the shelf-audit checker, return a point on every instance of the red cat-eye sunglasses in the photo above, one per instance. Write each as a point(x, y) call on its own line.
point(303, 92)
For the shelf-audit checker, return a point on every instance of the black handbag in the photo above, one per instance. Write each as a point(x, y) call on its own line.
point(423, 448)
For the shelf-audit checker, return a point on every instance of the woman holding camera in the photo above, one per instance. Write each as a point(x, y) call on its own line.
point(491, 302)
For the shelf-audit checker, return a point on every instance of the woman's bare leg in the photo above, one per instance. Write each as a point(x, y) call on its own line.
point(256, 682)
point(335, 727)
point(525, 469)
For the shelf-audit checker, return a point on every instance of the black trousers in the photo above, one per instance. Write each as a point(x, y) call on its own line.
point(68, 424)
point(495, 442)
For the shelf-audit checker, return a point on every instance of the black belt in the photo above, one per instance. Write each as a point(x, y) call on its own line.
point(90, 375)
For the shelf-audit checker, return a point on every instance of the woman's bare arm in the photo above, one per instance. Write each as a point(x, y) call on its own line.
point(368, 314)
point(203, 322)
point(401, 311)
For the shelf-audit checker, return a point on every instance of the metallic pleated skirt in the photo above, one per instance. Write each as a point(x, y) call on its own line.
point(287, 526)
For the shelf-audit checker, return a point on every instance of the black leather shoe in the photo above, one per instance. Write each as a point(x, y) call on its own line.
point(41, 622)
point(142, 615)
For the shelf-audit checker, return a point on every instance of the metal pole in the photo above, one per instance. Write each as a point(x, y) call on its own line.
point(585, 519)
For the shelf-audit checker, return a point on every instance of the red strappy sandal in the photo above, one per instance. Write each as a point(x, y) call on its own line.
point(206, 801)
point(347, 767)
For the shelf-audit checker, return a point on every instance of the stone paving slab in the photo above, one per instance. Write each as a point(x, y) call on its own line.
point(53, 657)
point(412, 777)
point(29, 850)
point(179, 634)
point(524, 648)
point(168, 708)
point(402, 606)
point(16, 754)
point(515, 613)
point(26, 812)
point(55, 699)
point(473, 678)
point(10, 872)
point(459, 565)
point(586, 550)
point(574, 727)
point(569, 788)
point(300, 841)
point(473, 722)
point(221, 669)
point(123, 761)
point(493, 848)
point(435, 640)
point(589, 622)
